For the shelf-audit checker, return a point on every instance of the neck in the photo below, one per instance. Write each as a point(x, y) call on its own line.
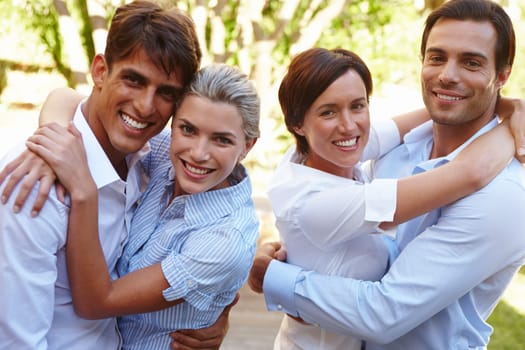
point(117, 159)
point(449, 137)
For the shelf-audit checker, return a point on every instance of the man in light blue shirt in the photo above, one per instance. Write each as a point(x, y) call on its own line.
point(449, 267)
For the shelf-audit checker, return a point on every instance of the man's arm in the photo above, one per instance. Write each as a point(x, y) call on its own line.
point(28, 272)
point(473, 239)
point(209, 338)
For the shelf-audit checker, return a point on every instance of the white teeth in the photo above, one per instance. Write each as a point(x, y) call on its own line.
point(133, 123)
point(448, 98)
point(197, 171)
point(347, 143)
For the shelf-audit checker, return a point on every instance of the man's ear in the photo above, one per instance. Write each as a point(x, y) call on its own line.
point(502, 76)
point(99, 69)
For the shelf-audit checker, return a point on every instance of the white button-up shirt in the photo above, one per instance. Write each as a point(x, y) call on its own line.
point(36, 310)
point(329, 224)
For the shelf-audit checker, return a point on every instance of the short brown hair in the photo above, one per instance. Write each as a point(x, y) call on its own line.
point(310, 73)
point(478, 10)
point(167, 36)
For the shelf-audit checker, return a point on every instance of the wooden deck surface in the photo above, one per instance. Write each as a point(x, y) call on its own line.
point(251, 326)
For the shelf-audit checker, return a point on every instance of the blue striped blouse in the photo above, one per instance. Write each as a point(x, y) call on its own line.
point(205, 243)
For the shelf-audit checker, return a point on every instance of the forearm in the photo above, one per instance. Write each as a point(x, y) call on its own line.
point(472, 169)
point(95, 295)
point(59, 106)
point(87, 269)
point(407, 121)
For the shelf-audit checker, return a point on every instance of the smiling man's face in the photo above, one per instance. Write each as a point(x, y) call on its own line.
point(134, 102)
point(459, 79)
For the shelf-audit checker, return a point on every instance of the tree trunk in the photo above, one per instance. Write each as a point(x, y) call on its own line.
point(76, 58)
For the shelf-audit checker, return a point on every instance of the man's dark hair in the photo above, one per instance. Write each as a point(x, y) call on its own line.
point(478, 10)
point(167, 36)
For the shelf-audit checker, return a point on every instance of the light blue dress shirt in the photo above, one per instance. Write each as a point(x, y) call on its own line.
point(205, 243)
point(453, 266)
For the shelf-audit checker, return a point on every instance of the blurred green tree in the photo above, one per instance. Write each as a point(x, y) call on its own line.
point(259, 36)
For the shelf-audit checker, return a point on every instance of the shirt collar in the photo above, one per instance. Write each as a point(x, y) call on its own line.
point(223, 201)
point(100, 166)
point(421, 137)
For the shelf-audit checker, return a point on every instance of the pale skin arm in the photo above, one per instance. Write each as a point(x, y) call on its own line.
point(506, 109)
point(474, 167)
point(59, 106)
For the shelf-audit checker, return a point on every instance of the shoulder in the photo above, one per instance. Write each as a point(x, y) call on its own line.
point(48, 229)
point(497, 207)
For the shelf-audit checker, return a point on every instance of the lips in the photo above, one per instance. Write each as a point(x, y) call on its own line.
point(196, 170)
point(133, 123)
point(448, 97)
point(346, 143)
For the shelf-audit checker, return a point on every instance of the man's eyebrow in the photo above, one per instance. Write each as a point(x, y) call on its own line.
point(133, 72)
point(479, 55)
point(434, 50)
point(463, 54)
point(176, 89)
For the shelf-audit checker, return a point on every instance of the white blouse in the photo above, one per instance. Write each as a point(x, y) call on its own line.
point(330, 224)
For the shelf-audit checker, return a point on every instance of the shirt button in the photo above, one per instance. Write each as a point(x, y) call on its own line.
point(190, 283)
point(280, 307)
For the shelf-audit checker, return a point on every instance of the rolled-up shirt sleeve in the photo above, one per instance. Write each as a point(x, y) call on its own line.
point(338, 214)
point(211, 262)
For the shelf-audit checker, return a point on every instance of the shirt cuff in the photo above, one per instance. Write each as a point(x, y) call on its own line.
point(381, 200)
point(279, 287)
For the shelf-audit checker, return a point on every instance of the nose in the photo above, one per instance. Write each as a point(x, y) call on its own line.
point(346, 122)
point(200, 151)
point(449, 73)
point(145, 103)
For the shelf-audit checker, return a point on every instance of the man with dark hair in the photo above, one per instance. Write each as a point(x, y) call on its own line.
point(449, 267)
point(152, 53)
